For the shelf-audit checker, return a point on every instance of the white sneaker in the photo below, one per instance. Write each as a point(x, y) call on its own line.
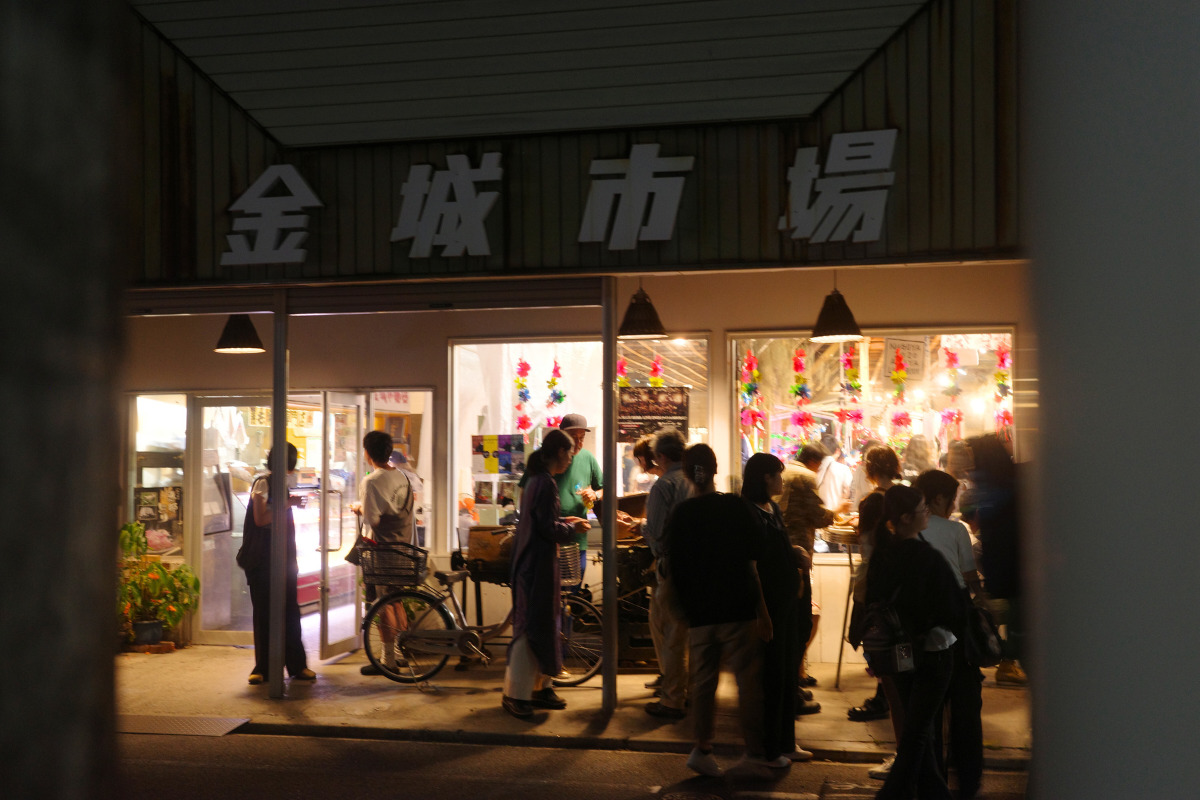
point(799, 754)
point(758, 769)
point(704, 763)
point(881, 772)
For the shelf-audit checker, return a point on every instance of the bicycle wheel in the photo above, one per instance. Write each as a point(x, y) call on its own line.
point(582, 641)
point(405, 610)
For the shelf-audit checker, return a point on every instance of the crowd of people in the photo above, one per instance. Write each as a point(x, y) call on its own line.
point(758, 547)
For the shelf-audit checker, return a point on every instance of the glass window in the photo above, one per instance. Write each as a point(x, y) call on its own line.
point(917, 391)
point(160, 436)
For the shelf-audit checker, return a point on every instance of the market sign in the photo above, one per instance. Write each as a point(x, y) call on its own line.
point(447, 209)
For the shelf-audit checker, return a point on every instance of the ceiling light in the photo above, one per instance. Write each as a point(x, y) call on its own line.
point(239, 336)
point(641, 320)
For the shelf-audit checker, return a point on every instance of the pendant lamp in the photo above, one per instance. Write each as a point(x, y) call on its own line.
point(641, 320)
point(239, 336)
point(835, 323)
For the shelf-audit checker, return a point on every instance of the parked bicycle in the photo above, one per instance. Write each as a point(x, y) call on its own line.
point(423, 625)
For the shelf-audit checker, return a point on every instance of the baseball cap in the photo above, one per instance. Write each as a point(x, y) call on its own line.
point(572, 422)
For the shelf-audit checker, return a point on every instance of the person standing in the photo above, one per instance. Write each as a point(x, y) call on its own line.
point(920, 585)
point(964, 697)
point(668, 627)
point(581, 485)
point(256, 546)
point(782, 583)
point(833, 477)
point(803, 512)
point(712, 546)
point(386, 502)
point(535, 654)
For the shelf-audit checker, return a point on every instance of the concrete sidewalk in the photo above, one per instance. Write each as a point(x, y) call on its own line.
point(464, 706)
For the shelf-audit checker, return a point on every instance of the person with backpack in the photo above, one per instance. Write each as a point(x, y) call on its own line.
point(907, 573)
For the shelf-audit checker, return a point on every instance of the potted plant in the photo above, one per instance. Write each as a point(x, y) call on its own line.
point(152, 597)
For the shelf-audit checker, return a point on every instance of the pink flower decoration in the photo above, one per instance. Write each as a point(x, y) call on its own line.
point(900, 362)
point(553, 422)
point(1004, 417)
point(656, 368)
point(901, 419)
point(951, 359)
point(557, 373)
point(621, 367)
point(524, 423)
point(1003, 357)
point(803, 419)
point(522, 367)
point(798, 361)
point(951, 416)
point(848, 359)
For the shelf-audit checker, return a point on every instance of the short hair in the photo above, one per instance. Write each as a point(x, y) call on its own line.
point(293, 457)
point(754, 476)
point(670, 444)
point(378, 445)
point(933, 483)
point(881, 462)
point(643, 450)
point(830, 443)
point(812, 451)
point(699, 465)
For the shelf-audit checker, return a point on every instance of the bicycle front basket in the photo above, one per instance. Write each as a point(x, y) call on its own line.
point(568, 564)
point(393, 564)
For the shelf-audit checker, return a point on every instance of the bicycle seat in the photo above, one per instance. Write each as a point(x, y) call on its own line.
point(448, 578)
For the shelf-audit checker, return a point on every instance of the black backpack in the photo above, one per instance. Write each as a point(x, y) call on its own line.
point(886, 646)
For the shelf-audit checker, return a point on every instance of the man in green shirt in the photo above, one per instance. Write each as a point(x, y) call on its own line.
point(582, 484)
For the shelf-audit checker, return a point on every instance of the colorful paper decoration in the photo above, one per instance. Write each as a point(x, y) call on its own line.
point(751, 397)
point(622, 372)
point(852, 386)
point(800, 389)
point(899, 378)
point(556, 396)
point(901, 421)
point(1001, 376)
point(524, 422)
point(953, 390)
point(656, 372)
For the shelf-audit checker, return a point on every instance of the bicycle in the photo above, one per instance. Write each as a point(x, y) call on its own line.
point(426, 624)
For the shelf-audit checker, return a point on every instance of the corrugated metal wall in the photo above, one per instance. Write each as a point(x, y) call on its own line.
point(948, 81)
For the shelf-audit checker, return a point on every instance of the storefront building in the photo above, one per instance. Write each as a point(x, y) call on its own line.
point(451, 290)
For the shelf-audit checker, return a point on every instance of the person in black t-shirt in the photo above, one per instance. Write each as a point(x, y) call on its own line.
point(713, 543)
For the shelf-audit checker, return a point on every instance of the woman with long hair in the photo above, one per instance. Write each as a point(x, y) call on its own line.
point(534, 655)
point(908, 572)
point(782, 587)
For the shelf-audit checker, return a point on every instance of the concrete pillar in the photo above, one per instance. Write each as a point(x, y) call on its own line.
point(1112, 109)
point(59, 214)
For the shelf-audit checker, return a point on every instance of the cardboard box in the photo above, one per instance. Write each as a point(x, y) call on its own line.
point(490, 542)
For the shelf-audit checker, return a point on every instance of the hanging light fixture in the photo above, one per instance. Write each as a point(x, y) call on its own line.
point(835, 323)
point(239, 336)
point(641, 320)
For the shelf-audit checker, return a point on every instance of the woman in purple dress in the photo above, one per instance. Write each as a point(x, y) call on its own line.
point(535, 655)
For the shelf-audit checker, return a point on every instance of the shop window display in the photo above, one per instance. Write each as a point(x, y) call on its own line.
point(917, 391)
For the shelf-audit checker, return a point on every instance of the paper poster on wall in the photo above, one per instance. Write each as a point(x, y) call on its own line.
point(647, 410)
point(478, 464)
point(916, 355)
point(160, 509)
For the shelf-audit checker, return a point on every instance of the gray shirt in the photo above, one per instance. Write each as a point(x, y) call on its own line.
point(671, 489)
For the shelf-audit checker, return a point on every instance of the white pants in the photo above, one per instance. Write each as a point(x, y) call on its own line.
point(522, 675)
point(669, 630)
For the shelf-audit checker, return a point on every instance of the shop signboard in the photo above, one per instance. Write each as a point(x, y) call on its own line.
point(647, 410)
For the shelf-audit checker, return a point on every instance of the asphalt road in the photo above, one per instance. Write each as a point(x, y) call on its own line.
point(268, 767)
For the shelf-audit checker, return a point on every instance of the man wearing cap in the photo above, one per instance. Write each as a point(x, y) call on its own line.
point(581, 485)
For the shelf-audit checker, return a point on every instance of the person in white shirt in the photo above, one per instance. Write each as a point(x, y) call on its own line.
point(386, 505)
point(833, 477)
point(964, 695)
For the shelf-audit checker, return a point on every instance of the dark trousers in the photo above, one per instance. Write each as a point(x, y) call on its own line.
point(964, 704)
point(294, 658)
point(780, 678)
point(915, 772)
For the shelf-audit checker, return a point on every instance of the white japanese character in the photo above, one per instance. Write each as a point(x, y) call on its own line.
point(430, 217)
point(635, 187)
point(269, 217)
point(846, 203)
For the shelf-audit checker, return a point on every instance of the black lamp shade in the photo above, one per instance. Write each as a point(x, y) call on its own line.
point(835, 323)
point(239, 336)
point(641, 320)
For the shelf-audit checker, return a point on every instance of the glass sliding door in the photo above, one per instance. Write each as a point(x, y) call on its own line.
point(341, 612)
